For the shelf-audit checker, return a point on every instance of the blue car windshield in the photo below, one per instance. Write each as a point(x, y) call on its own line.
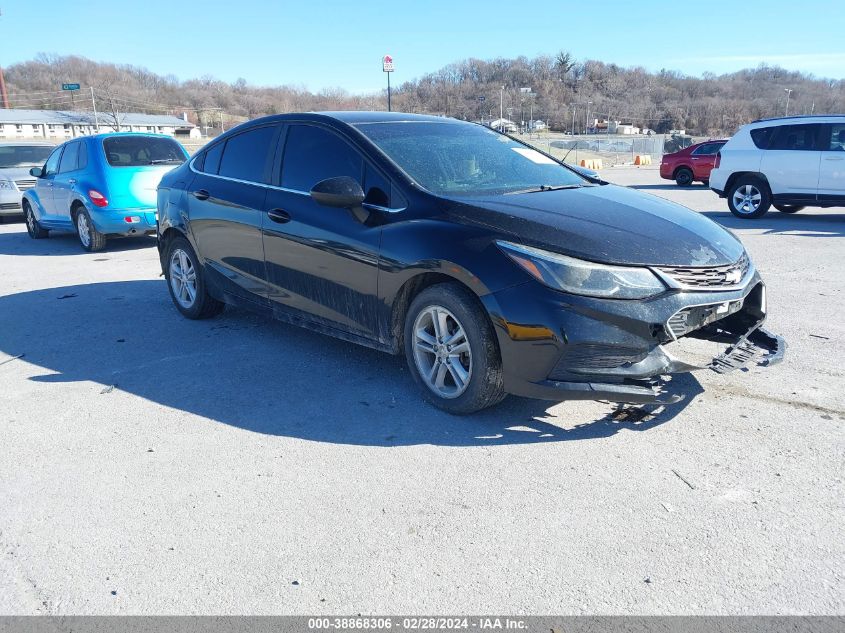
point(135, 151)
point(463, 159)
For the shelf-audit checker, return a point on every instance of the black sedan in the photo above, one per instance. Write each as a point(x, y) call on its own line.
point(492, 266)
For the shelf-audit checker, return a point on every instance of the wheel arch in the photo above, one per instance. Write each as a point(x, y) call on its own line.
point(740, 174)
point(683, 166)
point(406, 294)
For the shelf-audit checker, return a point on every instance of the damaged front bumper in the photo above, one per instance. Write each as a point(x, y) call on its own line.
point(623, 351)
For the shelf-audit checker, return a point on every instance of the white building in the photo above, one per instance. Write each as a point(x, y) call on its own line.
point(59, 125)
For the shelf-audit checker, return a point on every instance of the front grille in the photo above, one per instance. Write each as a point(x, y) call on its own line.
point(23, 185)
point(10, 206)
point(709, 276)
point(695, 317)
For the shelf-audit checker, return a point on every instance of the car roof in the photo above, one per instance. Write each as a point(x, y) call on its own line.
point(798, 118)
point(356, 117)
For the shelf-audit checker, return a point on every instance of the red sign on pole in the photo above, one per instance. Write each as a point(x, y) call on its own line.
point(387, 64)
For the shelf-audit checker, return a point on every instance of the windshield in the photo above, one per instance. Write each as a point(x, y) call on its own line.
point(454, 159)
point(134, 151)
point(23, 155)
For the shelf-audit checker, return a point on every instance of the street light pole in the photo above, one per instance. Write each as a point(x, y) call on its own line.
point(788, 92)
point(587, 118)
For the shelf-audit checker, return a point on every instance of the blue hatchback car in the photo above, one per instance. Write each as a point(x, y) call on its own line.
point(101, 186)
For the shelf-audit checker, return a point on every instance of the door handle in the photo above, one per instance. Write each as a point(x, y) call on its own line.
point(49, 183)
point(280, 216)
point(833, 157)
point(72, 181)
point(200, 194)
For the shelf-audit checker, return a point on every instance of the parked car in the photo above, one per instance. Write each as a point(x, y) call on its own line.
point(101, 186)
point(691, 164)
point(790, 162)
point(15, 161)
point(493, 267)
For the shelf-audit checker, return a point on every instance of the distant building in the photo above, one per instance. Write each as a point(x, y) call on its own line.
point(59, 125)
point(505, 125)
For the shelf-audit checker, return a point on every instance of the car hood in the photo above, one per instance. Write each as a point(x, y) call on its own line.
point(607, 223)
point(15, 173)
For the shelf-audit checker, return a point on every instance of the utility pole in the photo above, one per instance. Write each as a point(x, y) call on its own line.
point(221, 122)
point(587, 117)
point(572, 130)
point(788, 92)
point(3, 93)
point(502, 109)
point(94, 105)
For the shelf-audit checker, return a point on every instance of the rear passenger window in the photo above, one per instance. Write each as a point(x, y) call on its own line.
point(707, 150)
point(795, 137)
point(837, 138)
point(211, 160)
point(82, 161)
point(69, 158)
point(245, 156)
point(762, 136)
point(313, 154)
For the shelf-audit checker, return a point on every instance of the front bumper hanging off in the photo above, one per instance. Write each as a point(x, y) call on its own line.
point(616, 351)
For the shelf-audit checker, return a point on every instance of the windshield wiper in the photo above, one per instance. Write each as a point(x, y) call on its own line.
point(160, 161)
point(545, 188)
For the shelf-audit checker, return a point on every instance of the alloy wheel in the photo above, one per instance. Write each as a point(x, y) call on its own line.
point(30, 221)
point(442, 352)
point(747, 199)
point(183, 278)
point(83, 229)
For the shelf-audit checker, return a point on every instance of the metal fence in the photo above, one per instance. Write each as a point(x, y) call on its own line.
point(613, 149)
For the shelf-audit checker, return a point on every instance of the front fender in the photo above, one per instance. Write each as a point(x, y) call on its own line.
point(31, 197)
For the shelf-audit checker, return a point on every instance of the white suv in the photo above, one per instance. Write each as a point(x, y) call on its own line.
point(791, 163)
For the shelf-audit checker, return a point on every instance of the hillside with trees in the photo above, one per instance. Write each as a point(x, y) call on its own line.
point(560, 86)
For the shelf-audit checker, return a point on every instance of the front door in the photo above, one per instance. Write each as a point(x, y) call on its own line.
point(832, 171)
point(44, 188)
point(791, 161)
point(226, 205)
point(322, 262)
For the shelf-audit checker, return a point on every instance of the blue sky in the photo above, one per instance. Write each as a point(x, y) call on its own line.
point(335, 43)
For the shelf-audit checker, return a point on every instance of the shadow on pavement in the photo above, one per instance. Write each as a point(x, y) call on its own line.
point(668, 187)
point(19, 243)
point(807, 223)
point(264, 376)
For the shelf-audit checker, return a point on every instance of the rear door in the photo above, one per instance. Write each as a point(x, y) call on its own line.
point(66, 178)
point(832, 171)
point(791, 161)
point(226, 205)
point(323, 261)
point(703, 158)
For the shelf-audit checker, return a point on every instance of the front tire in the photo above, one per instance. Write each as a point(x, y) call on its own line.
point(789, 208)
point(89, 237)
point(749, 198)
point(186, 282)
point(34, 229)
point(683, 177)
point(452, 351)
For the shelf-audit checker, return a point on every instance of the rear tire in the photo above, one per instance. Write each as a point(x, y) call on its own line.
point(186, 282)
point(683, 177)
point(32, 226)
point(452, 351)
point(749, 198)
point(89, 237)
point(789, 208)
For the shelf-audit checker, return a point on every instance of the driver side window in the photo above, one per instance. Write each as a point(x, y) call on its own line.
point(52, 164)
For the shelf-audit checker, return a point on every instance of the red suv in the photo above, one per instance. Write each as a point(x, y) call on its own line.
point(691, 163)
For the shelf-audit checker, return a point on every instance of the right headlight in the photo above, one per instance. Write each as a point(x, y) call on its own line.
point(581, 277)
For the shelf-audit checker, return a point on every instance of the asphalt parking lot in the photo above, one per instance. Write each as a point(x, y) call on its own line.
point(154, 465)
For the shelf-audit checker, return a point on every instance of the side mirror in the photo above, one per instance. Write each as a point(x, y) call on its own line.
point(36, 171)
point(342, 192)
